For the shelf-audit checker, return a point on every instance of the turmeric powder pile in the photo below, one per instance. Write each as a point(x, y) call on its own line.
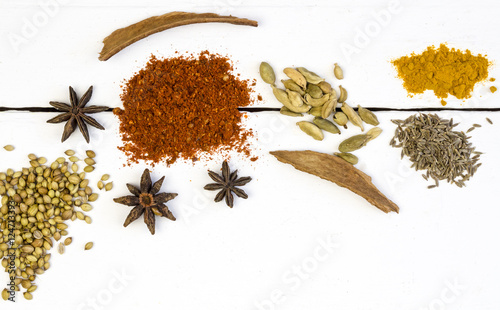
point(443, 70)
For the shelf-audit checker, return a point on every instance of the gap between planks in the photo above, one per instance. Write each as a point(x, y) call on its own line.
point(265, 109)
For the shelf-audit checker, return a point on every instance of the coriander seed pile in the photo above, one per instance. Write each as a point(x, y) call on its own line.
point(36, 203)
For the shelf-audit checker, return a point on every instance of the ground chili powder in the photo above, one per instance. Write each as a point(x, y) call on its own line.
point(184, 107)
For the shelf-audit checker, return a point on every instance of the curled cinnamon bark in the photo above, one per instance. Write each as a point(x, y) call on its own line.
point(123, 37)
point(337, 170)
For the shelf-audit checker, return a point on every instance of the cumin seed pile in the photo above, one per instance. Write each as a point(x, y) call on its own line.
point(431, 144)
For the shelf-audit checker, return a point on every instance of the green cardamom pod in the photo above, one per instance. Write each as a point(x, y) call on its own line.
point(325, 87)
point(337, 71)
point(353, 143)
point(295, 98)
point(316, 111)
point(373, 133)
point(282, 97)
point(343, 94)
point(340, 118)
point(310, 76)
point(291, 85)
point(314, 91)
point(267, 73)
point(329, 107)
point(311, 129)
point(326, 125)
point(296, 76)
point(368, 116)
point(285, 111)
point(348, 157)
point(316, 102)
point(352, 116)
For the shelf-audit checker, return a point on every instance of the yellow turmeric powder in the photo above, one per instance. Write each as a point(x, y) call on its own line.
point(443, 71)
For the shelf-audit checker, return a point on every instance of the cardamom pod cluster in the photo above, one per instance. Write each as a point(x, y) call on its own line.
point(306, 92)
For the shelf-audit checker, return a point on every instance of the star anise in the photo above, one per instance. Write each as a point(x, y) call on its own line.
point(147, 201)
point(227, 183)
point(75, 114)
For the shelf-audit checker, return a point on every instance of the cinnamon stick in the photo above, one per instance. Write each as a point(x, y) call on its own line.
point(337, 170)
point(123, 37)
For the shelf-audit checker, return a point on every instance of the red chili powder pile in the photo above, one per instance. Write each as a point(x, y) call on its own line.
point(184, 107)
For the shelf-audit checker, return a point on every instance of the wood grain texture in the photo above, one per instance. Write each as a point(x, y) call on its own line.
point(338, 171)
point(123, 37)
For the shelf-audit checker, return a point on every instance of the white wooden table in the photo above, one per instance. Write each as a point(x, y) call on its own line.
point(298, 242)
